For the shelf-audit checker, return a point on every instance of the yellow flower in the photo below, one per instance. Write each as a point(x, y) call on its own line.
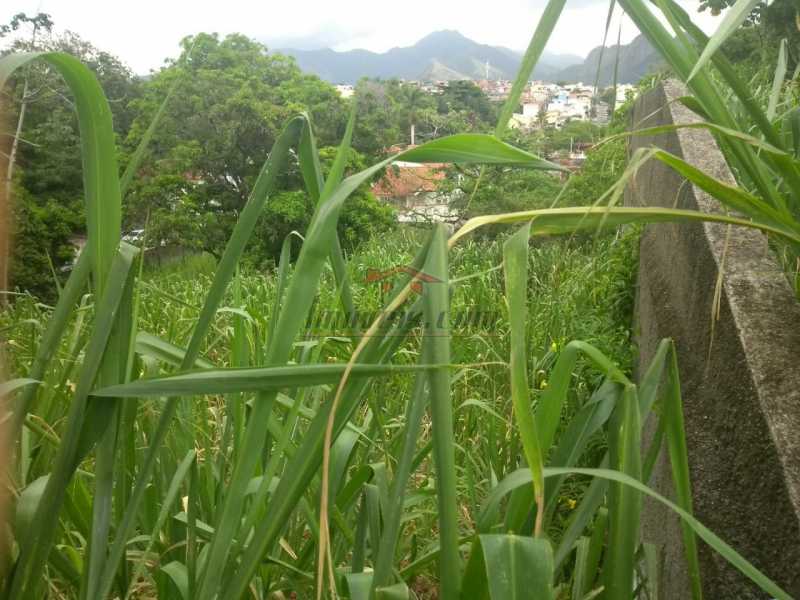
point(571, 503)
point(553, 347)
point(543, 384)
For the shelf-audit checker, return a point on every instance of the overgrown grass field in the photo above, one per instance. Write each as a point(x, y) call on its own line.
point(580, 288)
point(208, 433)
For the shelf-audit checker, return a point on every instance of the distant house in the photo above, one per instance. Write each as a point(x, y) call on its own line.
point(414, 190)
point(529, 117)
point(496, 89)
point(345, 90)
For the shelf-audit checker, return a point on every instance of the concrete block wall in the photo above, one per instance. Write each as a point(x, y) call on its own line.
point(741, 385)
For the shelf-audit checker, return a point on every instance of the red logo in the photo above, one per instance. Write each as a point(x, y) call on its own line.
point(385, 275)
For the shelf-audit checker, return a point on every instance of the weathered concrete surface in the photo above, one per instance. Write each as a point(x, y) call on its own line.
point(741, 386)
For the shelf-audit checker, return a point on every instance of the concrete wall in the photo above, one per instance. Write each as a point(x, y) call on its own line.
point(741, 385)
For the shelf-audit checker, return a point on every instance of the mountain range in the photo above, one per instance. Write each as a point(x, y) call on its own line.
point(636, 60)
point(448, 55)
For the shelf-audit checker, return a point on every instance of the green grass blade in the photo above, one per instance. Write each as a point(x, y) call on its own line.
point(573, 440)
point(579, 575)
point(138, 154)
point(398, 591)
point(51, 339)
point(166, 507)
point(624, 503)
point(733, 18)
point(518, 567)
point(101, 510)
point(284, 263)
point(340, 161)
point(475, 148)
point(224, 273)
point(705, 534)
point(305, 463)
point(11, 386)
point(153, 346)
point(741, 90)
point(437, 336)
point(35, 549)
point(588, 507)
point(515, 267)
point(615, 79)
point(753, 141)
point(241, 234)
point(732, 196)
point(300, 295)
point(360, 543)
point(394, 511)
point(651, 569)
point(679, 462)
point(179, 576)
point(596, 545)
point(544, 28)
point(611, 5)
point(308, 159)
point(794, 127)
point(682, 57)
point(248, 379)
point(320, 191)
point(509, 567)
point(98, 153)
point(102, 425)
point(548, 414)
point(773, 157)
point(651, 380)
point(299, 298)
point(777, 81)
point(550, 221)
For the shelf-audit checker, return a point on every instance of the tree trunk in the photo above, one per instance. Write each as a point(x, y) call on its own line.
point(5, 197)
point(5, 216)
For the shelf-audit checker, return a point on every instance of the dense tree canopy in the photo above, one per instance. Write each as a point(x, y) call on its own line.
point(234, 100)
point(235, 97)
point(754, 47)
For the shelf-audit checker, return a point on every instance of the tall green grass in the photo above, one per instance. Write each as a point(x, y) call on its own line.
point(756, 129)
point(253, 473)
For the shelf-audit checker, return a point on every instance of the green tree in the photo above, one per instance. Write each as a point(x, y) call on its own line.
point(235, 97)
point(42, 234)
point(45, 165)
point(573, 132)
point(387, 109)
point(756, 44)
point(378, 126)
point(362, 216)
point(466, 96)
point(602, 168)
point(500, 190)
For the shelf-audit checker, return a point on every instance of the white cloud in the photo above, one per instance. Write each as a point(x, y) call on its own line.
point(144, 33)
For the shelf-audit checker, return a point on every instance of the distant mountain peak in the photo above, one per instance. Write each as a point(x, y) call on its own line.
point(444, 34)
point(448, 54)
point(636, 59)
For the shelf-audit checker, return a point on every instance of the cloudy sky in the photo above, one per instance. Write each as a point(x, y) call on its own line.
point(143, 33)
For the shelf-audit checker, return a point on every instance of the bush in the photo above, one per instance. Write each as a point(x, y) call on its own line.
point(41, 236)
point(363, 216)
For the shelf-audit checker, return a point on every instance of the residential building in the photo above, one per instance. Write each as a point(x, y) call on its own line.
point(414, 190)
point(529, 117)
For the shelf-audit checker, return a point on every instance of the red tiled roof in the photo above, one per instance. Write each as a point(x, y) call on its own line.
point(404, 180)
